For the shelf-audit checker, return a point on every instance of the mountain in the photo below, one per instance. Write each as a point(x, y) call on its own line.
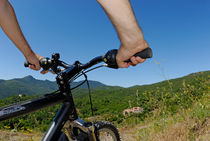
point(169, 93)
point(31, 86)
point(121, 96)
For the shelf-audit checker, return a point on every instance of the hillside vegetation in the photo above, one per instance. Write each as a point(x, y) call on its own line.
point(178, 107)
point(31, 86)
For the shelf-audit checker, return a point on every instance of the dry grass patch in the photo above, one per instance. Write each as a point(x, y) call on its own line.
point(19, 136)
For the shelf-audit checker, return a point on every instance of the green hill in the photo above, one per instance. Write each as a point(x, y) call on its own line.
point(27, 85)
point(31, 86)
point(167, 97)
point(114, 101)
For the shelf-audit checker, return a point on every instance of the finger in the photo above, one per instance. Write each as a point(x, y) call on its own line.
point(37, 66)
point(140, 60)
point(124, 65)
point(133, 60)
point(33, 67)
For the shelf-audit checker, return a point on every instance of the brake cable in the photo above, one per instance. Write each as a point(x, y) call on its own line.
point(95, 68)
point(88, 85)
point(89, 93)
point(79, 85)
point(80, 74)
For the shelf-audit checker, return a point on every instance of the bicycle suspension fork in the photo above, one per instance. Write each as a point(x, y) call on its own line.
point(66, 112)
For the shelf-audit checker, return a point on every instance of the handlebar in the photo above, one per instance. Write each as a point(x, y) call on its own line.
point(109, 58)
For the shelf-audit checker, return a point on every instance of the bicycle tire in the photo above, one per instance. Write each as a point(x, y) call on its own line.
point(104, 131)
point(108, 128)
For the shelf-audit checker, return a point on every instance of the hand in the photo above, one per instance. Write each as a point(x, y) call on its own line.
point(128, 53)
point(33, 59)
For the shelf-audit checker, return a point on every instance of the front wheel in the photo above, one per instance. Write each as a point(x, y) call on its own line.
point(106, 131)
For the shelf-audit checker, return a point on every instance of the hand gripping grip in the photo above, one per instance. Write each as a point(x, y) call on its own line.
point(110, 57)
point(44, 63)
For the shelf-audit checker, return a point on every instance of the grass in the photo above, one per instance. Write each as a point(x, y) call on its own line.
point(180, 115)
point(192, 124)
point(189, 124)
point(5, 135)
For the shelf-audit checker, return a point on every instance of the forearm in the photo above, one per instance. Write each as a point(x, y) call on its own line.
point(10, 26)
point(122, 17)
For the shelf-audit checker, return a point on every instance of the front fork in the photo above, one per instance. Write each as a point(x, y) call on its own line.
point(74, 122)
point(86, 127)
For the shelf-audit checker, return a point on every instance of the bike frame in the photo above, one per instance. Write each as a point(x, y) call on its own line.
point(67, 112)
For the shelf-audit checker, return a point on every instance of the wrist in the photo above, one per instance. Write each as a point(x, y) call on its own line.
point(135, 46)
point(131, 37)
point(27, 52)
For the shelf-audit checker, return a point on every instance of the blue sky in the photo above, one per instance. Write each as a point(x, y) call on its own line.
point(177, 30)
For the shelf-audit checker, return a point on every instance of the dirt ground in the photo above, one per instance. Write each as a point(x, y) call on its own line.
point(127, 134)
point(19, 136)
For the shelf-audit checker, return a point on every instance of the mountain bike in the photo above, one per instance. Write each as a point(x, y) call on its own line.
point(67, 117)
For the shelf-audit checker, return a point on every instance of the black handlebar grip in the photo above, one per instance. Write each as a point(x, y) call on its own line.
point(110, 56)
point(146, 53)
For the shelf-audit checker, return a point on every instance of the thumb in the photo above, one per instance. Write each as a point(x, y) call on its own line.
point(123, 64)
